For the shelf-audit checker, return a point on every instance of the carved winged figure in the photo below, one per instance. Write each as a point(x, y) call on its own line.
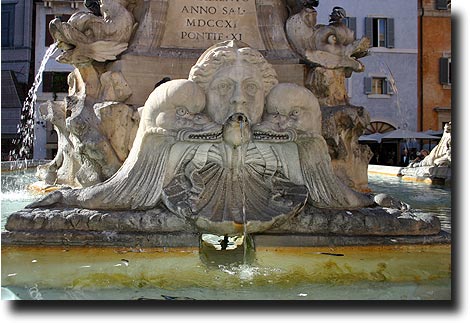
point(294, 109)
point(87, 36)
point(173, 106)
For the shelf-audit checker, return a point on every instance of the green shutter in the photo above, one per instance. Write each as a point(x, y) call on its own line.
point(367, 85)
point(444, 70)
point(369, 30)
point(390, 33)
point(441, 4)
point(352, 25)
point(388, 87)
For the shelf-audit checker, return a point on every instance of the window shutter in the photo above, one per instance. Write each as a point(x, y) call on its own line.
point(388, 87)
point(367, 85)
point(444, 70)
point(369, 30)
point(390, 33)
point(352, 25)
point(441, 4)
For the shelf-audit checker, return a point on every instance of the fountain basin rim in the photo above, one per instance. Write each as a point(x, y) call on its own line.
point(175, 240)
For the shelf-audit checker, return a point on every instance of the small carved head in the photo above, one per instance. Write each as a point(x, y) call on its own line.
point(337, 14)
point(236, 79)
point(292, 106)
point(175, 105)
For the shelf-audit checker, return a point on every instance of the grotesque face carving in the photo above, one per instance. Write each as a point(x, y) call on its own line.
point(295, 107)
point(236, 79)
point(175, 105)
point(237, 88)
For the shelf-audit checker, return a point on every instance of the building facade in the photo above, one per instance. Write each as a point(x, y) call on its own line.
point(17, 31)
point(435, 77)
point(54, 77)
point(388, 86)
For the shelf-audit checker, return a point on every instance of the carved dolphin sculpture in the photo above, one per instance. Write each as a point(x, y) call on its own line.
point(86, 36)
point(295, 107)
point(332, 46)
point(138, 183)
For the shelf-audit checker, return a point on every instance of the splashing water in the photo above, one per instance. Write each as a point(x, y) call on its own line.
point(26, 127)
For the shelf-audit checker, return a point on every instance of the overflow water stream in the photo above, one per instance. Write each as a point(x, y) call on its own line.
point(26, 128)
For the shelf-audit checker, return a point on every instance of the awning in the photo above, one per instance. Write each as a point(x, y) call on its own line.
point(372, 138)
point(434, 132)
point(398, 134)
point(406, 134)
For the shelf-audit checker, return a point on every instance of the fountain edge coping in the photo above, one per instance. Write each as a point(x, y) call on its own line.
point(182, 239)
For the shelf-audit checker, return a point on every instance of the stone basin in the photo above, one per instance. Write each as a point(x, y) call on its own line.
point(402, 272)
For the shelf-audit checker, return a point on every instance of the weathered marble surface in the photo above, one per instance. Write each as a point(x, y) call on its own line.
point(228, 146)
point(331, 50)
point(441, 155)
point(227, 150)
point(374, 221)
point(341, 128)
point(86, 37)
point(436, 166)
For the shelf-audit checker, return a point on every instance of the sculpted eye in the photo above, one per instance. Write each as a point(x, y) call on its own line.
point(251, 88)
point(294, 113)
point(332, 39)
point(181, 111)
point(224, 88)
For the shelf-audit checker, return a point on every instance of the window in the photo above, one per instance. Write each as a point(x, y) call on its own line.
point(443, 4)
point(49, 18)
point(378, 127)
point(350, 22)
point(55, 82)
point(381, 32)
point(8, 24)
point(445, 69)
point(377, 85)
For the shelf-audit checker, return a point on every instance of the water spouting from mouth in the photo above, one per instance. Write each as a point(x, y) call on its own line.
point(26, 126)
point(242, 185)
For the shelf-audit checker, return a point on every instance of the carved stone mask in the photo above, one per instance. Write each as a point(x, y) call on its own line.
point(236, 88)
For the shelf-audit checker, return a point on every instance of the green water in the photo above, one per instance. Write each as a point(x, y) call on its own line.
point(346, 273)
point(349, 273)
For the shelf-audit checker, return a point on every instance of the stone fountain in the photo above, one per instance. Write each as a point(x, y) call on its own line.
point(249, 132)
point(435, 167)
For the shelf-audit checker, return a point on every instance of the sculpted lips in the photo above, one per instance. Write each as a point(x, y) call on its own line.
point(271, 135)
point(206, 136)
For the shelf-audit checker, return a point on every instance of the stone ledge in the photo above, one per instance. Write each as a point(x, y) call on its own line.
point(100, 239)
point(297, 240)
point(159, 228)
point(180, 239)
point(376, 221)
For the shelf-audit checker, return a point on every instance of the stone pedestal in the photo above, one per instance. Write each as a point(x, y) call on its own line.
point(171, 35)
point(143, 72)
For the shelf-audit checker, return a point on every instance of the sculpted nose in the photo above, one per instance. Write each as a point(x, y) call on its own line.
point(238, 97)
point(281, 119)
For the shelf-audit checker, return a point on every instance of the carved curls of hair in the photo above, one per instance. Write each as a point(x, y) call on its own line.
point(202, 73)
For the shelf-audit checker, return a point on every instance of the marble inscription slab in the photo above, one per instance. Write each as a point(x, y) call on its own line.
point(202, 23)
